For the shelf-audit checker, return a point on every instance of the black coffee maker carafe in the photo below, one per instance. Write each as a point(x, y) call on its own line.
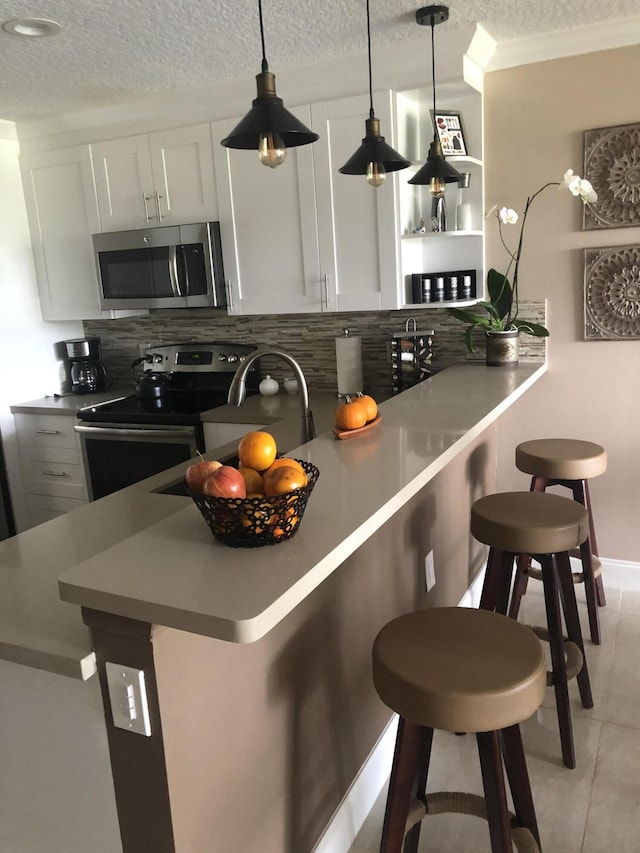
point(86, 371)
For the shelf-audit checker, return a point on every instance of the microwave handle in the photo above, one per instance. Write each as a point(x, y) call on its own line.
point(173, 271)
point(182, 272)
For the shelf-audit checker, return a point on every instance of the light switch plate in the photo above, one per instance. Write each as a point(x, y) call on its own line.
point(128, 695)
point(429, 572)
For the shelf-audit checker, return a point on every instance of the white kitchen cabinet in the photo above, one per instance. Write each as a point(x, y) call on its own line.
point(62, 210)
point(164, 178)
point(357, 223)
point(303, 237)
point(268, 223)
point(52, 469)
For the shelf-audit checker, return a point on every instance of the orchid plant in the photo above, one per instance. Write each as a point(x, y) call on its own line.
point(501, 309)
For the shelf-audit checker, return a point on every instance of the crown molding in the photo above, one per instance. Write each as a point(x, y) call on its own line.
point(590, 38)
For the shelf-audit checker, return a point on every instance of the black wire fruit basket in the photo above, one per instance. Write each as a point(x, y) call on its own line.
point(252, 522)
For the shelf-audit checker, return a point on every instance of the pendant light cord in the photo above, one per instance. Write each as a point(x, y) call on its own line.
point(371, 112)
point(265, 65)
point(433, 74)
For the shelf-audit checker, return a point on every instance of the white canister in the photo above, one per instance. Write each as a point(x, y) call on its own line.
point(268, 386)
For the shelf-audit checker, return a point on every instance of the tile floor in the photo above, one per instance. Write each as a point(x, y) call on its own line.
point(592, 809)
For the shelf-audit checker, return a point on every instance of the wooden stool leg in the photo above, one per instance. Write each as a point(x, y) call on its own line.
point(558, 663)
point(497, 581)
point(590, 591)
point(520, 584)
point(594, 545)
point(412, 837)
point(572, 619)
point(518, 775)
point(412, 742)
point(494, 791)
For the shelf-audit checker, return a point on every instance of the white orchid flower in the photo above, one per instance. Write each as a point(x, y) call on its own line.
point(578, 186)
point(508, 216)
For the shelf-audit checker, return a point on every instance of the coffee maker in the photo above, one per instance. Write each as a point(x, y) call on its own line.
point(85, 369)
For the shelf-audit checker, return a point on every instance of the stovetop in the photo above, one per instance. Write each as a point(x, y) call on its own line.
point(174, 408)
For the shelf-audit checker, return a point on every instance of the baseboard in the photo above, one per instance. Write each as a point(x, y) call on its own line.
point(621, 574)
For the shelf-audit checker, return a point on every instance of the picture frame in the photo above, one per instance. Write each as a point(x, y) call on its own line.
point(450, 130)
point(612, 293)
point(611, 158)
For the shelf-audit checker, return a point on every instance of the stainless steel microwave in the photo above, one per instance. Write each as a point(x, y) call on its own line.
point(173, 266)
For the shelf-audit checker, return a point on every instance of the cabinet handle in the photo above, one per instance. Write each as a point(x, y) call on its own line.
point(158, 197)
point(55, 473)
point(48, 432)
point(326, 291)
point(230, 294)
point(145, 199)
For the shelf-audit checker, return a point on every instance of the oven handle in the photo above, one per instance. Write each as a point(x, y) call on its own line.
point(173, 271)
point(185, 432)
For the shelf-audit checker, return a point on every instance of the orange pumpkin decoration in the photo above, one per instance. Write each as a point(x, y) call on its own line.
point(370, 404)
point(351, 415)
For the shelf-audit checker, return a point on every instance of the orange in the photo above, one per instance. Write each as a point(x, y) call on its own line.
point(257, 449)
point(370, 404)
point(351, 415)
point(252, 479)
point(293, 463)
point(284, 479)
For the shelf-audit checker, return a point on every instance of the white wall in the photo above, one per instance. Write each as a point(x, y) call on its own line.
point(29, 369)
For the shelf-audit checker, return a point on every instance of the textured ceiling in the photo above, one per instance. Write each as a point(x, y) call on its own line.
point(114, 51)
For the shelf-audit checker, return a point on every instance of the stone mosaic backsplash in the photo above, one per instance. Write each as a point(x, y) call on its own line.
point(309, 338)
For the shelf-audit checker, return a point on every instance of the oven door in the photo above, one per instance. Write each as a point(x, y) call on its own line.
point(116, 456)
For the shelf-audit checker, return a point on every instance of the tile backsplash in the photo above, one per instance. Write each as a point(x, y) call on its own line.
point(309, 338)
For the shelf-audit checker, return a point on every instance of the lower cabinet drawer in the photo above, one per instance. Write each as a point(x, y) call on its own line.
point(53, 471)
point(46, 430)
point(41, 508)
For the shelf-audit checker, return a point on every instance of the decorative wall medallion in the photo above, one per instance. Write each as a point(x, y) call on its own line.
point(612, 293)
point(612, 164)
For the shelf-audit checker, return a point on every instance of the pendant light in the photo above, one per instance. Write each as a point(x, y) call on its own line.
point(268, 127)
point(374, 158)
point(436, 172)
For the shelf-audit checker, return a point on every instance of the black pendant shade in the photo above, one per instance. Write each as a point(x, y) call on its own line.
point(373, 150)
point(268, 115)
point(436, 168)
point(268, 127)
point(374, 158)
point(436, 171)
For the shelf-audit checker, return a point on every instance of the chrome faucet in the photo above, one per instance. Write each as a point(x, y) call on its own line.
point(238, 387)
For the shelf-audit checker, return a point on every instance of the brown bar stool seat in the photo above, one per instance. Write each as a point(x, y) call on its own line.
point(569, 463)
point(547, 527)
point(460, 670)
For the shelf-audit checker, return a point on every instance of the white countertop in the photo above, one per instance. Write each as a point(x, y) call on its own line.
point(175, 573)
point(69, 404)
point(151, 556)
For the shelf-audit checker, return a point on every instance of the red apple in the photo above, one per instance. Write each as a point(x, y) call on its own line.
point(197, 473)
point(225, 482)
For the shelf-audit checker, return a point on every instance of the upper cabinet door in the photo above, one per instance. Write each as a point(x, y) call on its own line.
point(269, 229)
point(358, 231)
point(124, 183)
point(166, 178)
point(183, 175)
point(63, 214)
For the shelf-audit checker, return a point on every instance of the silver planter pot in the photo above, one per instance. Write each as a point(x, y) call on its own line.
point(503, 348)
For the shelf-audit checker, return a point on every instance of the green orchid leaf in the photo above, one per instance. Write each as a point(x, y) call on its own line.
point(500, 293)
point(468, 337)
point(534, 329)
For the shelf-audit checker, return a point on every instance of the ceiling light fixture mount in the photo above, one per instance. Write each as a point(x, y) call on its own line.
point(374, 158)
point(436, 172)
point(31, 27)
point(268, 127)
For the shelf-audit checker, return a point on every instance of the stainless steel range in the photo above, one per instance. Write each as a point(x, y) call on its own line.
point(158, 426)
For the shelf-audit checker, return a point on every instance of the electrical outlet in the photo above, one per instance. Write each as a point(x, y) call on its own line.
point(429, 571)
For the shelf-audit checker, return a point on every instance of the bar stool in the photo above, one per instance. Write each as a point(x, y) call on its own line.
point(545, 526)
point(460, 670)
point(569, 463)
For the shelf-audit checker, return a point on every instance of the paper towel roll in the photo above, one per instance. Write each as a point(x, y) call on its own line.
point(349, 364)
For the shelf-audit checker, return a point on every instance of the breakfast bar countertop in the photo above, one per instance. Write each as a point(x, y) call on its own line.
point(174, 573)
